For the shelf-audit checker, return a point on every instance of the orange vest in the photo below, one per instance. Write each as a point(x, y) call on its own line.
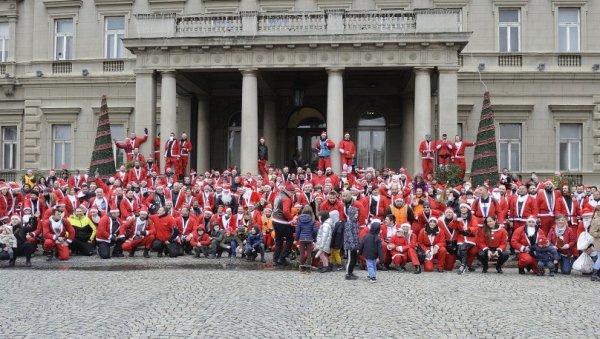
point(401, 214)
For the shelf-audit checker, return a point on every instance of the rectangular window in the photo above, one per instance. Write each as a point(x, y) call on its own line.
point(510, 147)
point(114, 32)
point(62, 138)
point(509, 29)
point(569, 22)
point(63, 45)
point(3, 41)
point(117, 131)
point(459, 130)
point(9, 147)
point(570, 147)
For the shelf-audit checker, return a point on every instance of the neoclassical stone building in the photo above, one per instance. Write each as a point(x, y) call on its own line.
point(228, 71)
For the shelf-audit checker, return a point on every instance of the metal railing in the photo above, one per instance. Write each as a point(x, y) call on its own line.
point(63, 67)
point(510, 60)
point(113, 66)
point(209, 24)
point(380, 21)
point(292, 22)
point(569, 60)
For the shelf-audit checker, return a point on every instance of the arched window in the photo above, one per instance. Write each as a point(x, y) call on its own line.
point(371, 140)
point(234, 140)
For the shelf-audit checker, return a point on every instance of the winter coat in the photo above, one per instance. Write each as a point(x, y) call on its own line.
point(306, 229)
point(595, 232)
point(337, 239)
point(254, 240)
point(351, 230)
point(370, 246)
point(324, 236)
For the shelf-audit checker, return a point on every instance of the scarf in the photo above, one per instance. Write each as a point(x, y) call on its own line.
point(431, 231)
point(560, 231)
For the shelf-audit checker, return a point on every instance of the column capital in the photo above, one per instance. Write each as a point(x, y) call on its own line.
point(334, 70)
point(248, 71)
point(448, 69)
point(423, 69)
point(143, 71)
point(168, 72)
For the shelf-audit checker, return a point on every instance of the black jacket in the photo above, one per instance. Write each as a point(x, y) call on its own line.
point(370, 246)
point(337, 238)
point(263, 152)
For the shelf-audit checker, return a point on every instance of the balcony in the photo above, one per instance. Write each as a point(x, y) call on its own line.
point(529, 62)
point(297, 23)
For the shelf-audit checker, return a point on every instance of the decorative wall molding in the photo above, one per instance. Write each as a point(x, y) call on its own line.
point(61, 110)
point(114, 110)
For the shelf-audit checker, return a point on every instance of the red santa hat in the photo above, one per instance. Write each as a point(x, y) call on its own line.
point(226, 188)
point(268, 208)
point(323, 132)
point(398, 197)
point(346, 133)
point(14, 186)
point(192, 172)
point(319, 196)
point(405, 225)
point(549, 182)
point(432, 219)
point(3, 186)
point(144, 210)
point(114, 208)
point(465, 205)
point(93, 208)
point(290, 187)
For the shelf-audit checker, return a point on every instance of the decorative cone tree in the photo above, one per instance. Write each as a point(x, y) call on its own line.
point(103, 159)
point(485, 161)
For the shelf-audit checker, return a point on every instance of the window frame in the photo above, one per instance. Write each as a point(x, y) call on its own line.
point(16, 143)
point(569, 143)
point(65, 36)
point(371, 129)
point(568, 27)
point(115, 33)
point(510, 142)
point(63, 142)
point(508, 26)
point(5, 43)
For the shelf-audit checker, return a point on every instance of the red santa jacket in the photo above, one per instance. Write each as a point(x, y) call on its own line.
point(422, 219)
point(137, 225)
point(426, 149)
point(347, 149)
point(469, 235)
point(186, 227)
point(378, 206)
point(129, 208)
point(480, 212)
point(57, 229)
point(107, 229)
point(528, 208)
point(569, 237)
point(123, 176)
point(426, 242)
point(545, 207)
point(448, 228)
point(330, 144)
point(185, 147)
point(401, 245)
point(444, 148)
point(459, 148)
point(206, 201)
point(571, 211)
point(338, 206)
point(76, 180)
point(172, 148)
point(498, 239)
point(163, 226)
point(200, 240)
point(520, 240)
point(137, 175)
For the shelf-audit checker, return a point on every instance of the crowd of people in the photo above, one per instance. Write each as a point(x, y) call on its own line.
point(378, 219)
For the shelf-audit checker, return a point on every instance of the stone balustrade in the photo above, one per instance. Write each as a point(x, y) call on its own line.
point(297, 23)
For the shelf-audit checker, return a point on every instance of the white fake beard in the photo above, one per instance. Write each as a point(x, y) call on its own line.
point(226, 198)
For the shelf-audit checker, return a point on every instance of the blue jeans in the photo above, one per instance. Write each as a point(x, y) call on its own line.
point(597, 263)
point(372, 268)
point(566, 263)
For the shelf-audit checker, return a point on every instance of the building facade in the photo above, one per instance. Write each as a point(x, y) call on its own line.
point(228, 71)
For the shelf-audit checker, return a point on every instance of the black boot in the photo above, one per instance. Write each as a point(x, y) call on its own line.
point(146, 253)
point(11, 262)
point(485, 269)
point(596, 275)
point(521, 270)
point(132, 252)
point(418, 269)
point(28, 260)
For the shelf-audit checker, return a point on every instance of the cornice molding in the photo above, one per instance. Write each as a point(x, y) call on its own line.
point(115, 110)
point(61, 110)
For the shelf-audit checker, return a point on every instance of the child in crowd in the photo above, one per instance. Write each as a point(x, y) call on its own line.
point(370, 248)
point(547, 256)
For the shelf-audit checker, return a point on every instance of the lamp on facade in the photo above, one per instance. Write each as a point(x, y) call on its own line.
point(39, 73)
point(541, 67)
point(595, 67)
point(85, 72)
point(481, 67)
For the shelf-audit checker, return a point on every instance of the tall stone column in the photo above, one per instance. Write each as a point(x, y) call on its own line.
point(168, 110)
point(270, 127)
point(335, 113)
point(422, 113)
point(448, 101)
point(249, 149)
point(203, 142)
point(145, 109)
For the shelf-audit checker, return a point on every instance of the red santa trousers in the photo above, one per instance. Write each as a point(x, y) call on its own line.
point(441, 260)
point(427, 167)
point(63, 251)
point(324, 163)
point(129, 244)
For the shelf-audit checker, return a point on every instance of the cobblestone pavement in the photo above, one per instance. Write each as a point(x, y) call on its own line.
point(187, 297)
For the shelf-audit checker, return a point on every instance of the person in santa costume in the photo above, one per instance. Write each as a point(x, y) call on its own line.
point(378, 202)
point(444, 149)
point(523, 240)
point(458, 153)
point(131, 143)
point(171, 152)
point(521, 206)
point(109, 235)
point(185, 148)
point(166, 231)
point(20, 230)
point(564, 239)
point(58, 234)
point(447, 224)
point(491, 243)
point(427, 149)
point(348, 152)
point(201, 242)
point(186, 223)
point(85, 233)
point(432, 245)
point(323, 147)
point(466, 227)
point(402, 246)
point(263, 157)
point(138, 231)
point(567, 205)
